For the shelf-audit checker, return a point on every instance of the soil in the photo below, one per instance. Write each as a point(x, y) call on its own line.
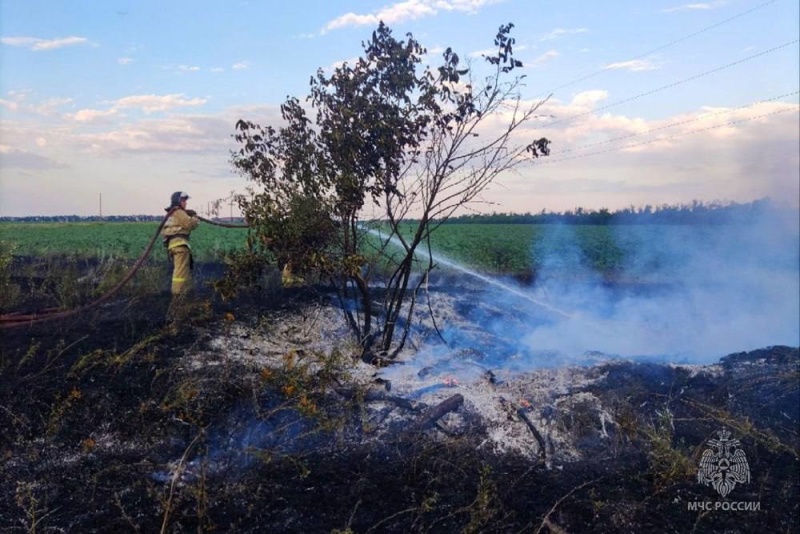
point(253, 415)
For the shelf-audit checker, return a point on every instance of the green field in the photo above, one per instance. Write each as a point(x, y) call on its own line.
point(492, 248)
point(124, 240)
point(516, 248)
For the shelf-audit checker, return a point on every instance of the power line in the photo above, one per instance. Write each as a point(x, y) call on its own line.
point(680, 123)
point(651, 141)
point(662, 47)
point(671, 85)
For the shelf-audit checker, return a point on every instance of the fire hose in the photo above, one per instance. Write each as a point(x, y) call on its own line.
point(12, 320)
point(222, 224)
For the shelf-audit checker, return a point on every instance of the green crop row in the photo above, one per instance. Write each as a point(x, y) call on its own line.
point(518, 248)
point(123, 240)
point(492, 248)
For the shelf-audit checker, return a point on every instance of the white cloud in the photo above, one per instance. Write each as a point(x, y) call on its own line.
point(609, 160)
point(241, 65)
point(18, 103)
point(37, 44)
point(146, 103)
point(692, 137)
point(125, 60)
point(153, 103)
point(92, 115)
point(695, 7)
point(492, 52)
point(634, 65)
point(174, 135)
point(485, 52)
point(17, 158)
point(48, 107)
point(599, 159)
point(19, 41)
point(588, 99)
point(188, 68)
point(13, 106)
point(543, 59)
point(406, 10)
point(561, 32)
point(705, 154)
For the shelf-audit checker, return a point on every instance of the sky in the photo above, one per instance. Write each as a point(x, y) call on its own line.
point(111, 106)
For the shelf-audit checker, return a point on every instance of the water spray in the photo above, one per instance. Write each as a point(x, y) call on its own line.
point(487, 279)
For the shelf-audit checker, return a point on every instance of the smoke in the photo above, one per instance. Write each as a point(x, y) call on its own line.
point(681, 294)
point(245, 439)
point(686, 294)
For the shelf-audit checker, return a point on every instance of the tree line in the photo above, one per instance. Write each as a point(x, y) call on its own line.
point(99, 219)
point(695, 213)
point(82, 218)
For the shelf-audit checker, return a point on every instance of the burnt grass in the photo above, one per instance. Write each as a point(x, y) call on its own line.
point(105, 427)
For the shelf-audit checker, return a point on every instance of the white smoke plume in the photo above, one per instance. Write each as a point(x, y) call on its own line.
point(685, 294)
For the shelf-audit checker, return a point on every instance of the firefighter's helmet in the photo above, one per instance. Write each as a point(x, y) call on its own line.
point(177, 196)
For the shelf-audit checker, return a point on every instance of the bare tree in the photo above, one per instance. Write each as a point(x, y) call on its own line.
point(418, 145)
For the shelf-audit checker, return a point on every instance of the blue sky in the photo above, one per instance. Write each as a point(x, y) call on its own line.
point(652, 102)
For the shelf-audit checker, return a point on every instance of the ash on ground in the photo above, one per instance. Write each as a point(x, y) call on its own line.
point(268, 421)
point(552, 414)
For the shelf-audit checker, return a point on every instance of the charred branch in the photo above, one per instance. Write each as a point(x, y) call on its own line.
point(536, 434)
point(379, 396)
point(433, 414)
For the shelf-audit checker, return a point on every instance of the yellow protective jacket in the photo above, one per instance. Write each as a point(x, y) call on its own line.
point(177, 229)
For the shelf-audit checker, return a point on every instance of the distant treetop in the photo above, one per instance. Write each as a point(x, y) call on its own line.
point(695, 213)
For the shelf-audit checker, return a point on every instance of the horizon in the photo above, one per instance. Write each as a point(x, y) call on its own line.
point(663, 103)
point(637, 210)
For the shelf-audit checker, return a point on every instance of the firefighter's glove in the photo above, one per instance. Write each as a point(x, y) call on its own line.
point(191, 213)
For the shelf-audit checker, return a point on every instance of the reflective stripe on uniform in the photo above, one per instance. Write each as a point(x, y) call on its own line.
point(181, 255)
point(178, 243)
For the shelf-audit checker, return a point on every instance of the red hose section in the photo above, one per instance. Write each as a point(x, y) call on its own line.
point(13, 320)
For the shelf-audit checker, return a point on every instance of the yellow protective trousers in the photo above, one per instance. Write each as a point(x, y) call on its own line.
point(181, 258)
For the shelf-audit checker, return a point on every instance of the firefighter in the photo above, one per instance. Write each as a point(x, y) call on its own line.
point(288, 278)
point(176, 232)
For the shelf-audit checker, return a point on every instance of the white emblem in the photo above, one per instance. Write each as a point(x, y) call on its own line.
point(723, 465)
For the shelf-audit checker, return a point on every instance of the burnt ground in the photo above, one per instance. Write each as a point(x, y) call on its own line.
point(115, 421)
